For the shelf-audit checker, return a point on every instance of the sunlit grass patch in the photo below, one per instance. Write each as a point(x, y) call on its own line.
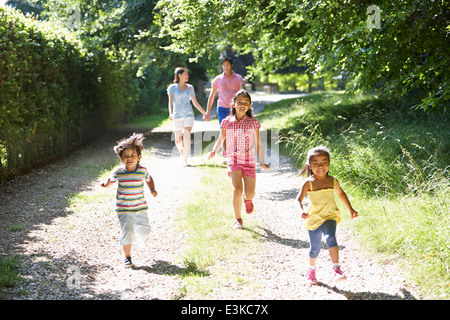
point(213, 246)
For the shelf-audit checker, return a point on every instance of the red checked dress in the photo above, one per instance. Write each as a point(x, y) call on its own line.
point(240, 139)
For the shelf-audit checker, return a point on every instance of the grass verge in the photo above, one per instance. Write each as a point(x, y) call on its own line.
point(160, 119)
point(215, 254)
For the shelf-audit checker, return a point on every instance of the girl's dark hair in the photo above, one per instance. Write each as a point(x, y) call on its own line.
point(238, 94)
point(178, 71)
point(320, 150)
point(135, 142)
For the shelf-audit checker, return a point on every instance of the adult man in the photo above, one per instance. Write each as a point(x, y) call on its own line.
point(227, 83)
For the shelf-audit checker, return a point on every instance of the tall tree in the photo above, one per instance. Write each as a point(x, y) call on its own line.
point(124, 31)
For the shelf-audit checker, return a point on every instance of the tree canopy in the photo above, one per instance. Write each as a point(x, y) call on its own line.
point(394, 47)
point(397, 47)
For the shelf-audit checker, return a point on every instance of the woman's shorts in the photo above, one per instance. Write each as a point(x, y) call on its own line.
point(133, 225)
point(248, 170)
point(179, 124)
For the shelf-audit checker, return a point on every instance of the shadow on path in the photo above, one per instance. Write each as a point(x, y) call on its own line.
point(367, 295)
point(166, 268)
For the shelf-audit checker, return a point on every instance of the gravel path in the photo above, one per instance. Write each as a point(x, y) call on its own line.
point(73, 253)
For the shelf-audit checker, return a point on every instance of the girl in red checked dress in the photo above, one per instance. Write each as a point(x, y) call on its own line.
point(240, 130)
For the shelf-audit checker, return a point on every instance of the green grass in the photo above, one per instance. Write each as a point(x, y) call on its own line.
point(393, 163)
point(159, 119)
point(9, 267)
point(214, 251)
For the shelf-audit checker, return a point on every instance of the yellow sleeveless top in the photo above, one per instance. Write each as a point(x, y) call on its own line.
point(322, 207)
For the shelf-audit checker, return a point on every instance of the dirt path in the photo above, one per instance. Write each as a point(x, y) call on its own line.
point(73, 253)
point(61, 243)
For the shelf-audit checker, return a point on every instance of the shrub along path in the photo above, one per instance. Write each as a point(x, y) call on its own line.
point(63, 226)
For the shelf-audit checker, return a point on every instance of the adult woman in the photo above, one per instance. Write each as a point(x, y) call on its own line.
point(180, 111)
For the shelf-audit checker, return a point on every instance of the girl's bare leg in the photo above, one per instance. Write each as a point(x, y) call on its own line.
point(249, 187)
point(334, 254)
point(236, 180)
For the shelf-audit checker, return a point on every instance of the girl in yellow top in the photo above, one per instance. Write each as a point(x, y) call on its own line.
point(323, 215)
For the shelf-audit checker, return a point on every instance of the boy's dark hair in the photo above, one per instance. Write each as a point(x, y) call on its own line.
point(135, 142)
point(226, 59)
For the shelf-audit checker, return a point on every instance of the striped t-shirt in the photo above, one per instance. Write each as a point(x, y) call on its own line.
point(130, 191)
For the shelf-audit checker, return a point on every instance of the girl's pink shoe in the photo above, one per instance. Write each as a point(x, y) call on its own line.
point(311, 276)
point(248, 206)
point(338, 275)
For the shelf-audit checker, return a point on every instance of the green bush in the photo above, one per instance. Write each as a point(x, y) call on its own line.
point(54, 95)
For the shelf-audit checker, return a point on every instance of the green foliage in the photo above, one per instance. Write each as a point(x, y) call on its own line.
point(124, 32)
point(53, 93)
point(407, 55)
point(32, 86)
point(38, 66)
point(9, 266)
point(87, 67)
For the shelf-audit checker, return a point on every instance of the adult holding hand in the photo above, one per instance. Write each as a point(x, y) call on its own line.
point(180, 95)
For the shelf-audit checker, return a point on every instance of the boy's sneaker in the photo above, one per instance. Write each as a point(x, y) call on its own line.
point(127, 262)
point(238, 224)
point(311, 276)
point(338, 275)
point(248, 206)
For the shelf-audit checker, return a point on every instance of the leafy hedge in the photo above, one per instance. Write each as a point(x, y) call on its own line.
point(54, 95)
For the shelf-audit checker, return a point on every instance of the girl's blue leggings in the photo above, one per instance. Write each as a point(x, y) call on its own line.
point(328, 228)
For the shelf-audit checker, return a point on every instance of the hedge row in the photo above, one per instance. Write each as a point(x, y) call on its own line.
point(54, 95)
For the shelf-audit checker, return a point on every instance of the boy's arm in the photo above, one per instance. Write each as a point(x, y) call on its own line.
point(343, 197)
point(151, 186)
point(107, 183)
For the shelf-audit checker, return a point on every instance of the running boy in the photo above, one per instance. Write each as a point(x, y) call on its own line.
point(131, 206)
